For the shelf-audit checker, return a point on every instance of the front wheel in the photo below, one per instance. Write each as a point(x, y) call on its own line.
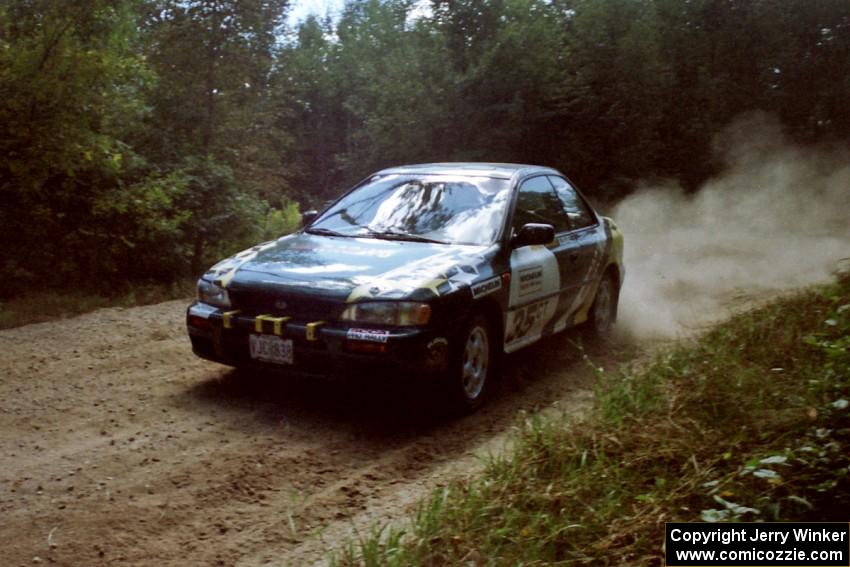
point(603, 312)
point(471, 371)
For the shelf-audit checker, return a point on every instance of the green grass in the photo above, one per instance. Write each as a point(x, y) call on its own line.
point(748, 422)
point(41, 306)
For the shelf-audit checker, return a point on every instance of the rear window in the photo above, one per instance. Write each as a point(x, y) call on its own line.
point(576, 209)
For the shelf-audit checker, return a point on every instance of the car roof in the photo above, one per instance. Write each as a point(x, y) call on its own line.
point(482, 169)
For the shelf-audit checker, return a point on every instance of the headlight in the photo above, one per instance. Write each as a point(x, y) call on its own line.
point(212, 294)
point(395, 313)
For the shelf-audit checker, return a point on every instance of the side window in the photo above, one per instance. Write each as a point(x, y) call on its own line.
point(576, 209)
point(538, 203)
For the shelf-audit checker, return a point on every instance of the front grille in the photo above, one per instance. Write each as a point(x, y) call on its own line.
point(299, 307)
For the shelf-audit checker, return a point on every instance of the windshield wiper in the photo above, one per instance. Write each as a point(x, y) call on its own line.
point(390, 234)
point(321, 231)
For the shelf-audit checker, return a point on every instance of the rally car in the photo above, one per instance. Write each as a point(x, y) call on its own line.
point(432, 270)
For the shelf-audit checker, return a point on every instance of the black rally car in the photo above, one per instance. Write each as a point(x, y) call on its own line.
point(430, 269)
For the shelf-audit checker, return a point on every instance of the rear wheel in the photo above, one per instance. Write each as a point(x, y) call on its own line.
point(603, 312)
point(471, 370)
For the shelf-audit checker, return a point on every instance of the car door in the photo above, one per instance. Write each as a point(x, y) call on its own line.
point(537, 293)
point(584, 245)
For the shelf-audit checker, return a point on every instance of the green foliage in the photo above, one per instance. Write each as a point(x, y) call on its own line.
point(213, 61)
point(278, 222)
point(69, 77)
point(395, 89)
point(69, 84)
point(609, 91)
point(750, 421)
point(306, 81)
point(110, 169)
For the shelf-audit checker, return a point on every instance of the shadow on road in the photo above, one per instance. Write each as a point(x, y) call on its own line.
point(386, 407)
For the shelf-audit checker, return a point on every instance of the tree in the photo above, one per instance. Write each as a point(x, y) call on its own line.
point(213, 59)
point(512, 61)
point(306, 83)
point(70, 84)
point(396, 85)
point(213, 117)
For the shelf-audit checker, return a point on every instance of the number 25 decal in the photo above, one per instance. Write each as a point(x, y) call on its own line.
point(525, 319)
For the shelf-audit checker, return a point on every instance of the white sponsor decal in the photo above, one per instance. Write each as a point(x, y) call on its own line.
point(530, 280)
point(534, 288)
point(486, 287)
point(369, 335)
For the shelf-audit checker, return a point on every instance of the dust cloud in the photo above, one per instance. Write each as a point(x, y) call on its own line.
point(777, 218)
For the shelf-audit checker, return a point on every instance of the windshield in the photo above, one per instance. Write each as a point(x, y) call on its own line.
point(448, 209)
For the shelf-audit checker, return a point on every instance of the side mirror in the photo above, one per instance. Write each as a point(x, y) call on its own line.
point(533, 233)
point(308, 216)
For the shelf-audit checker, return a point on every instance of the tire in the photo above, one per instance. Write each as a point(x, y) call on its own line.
point(471, 372)
point(603, 312)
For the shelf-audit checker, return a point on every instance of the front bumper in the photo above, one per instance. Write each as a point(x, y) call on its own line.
point(319, 347)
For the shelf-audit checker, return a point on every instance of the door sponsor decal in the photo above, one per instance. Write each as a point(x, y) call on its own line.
point(530, 281)
point(534, 288)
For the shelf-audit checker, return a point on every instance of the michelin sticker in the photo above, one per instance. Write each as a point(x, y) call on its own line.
point(368, 335)
point(486, 287)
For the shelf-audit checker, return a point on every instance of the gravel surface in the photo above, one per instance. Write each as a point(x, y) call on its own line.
point(120, 447)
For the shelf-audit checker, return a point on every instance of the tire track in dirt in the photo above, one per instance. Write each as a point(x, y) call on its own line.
point(120, 447)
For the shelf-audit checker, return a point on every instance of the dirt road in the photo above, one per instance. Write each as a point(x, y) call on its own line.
point(120, 447)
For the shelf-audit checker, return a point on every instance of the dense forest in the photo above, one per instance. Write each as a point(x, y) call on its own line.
point(141, 139)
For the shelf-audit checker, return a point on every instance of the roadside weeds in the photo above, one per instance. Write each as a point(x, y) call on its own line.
point(749, 421)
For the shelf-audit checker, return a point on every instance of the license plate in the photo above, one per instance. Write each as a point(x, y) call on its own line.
point(269, 348)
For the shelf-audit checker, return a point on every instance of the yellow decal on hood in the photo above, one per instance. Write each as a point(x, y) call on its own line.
point(428, 273)
point(224, 272)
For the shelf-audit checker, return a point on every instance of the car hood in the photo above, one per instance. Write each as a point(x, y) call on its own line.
point(352, 269)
